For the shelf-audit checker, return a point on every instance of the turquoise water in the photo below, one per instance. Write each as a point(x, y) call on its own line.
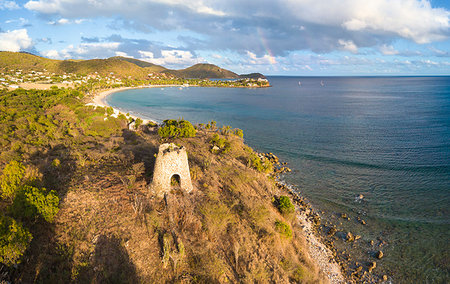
point(386, 138)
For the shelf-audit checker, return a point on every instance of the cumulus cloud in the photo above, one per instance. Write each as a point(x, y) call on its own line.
point(8, 5)
point(64, 21)
point(84, 51)
point(388, 50)
point(348, 45)
point(281, 26)
point(171, 58)
point(15, 40)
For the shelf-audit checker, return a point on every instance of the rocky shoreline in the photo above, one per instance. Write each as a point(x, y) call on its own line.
point(321, 236)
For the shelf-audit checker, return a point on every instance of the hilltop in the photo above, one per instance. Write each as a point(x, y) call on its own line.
point(120, 66)
point(76, 206)
point(203, 71)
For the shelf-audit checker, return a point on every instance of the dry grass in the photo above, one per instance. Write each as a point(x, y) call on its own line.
point(110, 228)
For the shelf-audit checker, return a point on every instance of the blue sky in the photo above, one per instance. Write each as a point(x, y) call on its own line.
point(276, 37)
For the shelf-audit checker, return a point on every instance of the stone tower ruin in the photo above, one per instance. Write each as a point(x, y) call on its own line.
point(171, 162)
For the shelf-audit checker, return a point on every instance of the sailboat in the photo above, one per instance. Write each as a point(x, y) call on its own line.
point(299, 83)
point(322, 83)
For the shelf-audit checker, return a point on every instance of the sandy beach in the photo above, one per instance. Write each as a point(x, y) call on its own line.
point(99, 99)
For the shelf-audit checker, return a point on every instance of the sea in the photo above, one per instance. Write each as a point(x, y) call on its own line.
point(385, 139)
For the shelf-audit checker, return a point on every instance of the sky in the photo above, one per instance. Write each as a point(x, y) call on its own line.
point(276, 37)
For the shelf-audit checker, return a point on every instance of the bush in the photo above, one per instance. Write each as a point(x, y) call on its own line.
point(223, 144)
point(11, 179)
point(284, 205)
point(283, 228)
point(138, 122)
point(239, 132)
point(14, 240)
point(176, 128)
point(263, 166)
point(32, 201)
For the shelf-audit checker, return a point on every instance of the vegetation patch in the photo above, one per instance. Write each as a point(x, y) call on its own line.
point(284, 205)
point(283, 228)
point(172, 128)
point(14, 240)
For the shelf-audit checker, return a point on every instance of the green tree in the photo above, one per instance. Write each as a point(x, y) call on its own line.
point(285, 205)
point(176, 128)
point(32, 201)
point(14, 240)
point(11, 179)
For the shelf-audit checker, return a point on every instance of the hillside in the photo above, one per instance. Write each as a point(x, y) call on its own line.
point(76, 206)
point(103, 67)
point(120, 66)
point(144, 64)
point(203, 71)
point(26, 61)
point(252, 76)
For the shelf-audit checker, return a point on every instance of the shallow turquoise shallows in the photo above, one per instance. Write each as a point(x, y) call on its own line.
point(387, 138)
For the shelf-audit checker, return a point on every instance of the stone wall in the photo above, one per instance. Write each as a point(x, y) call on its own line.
point(171, 160)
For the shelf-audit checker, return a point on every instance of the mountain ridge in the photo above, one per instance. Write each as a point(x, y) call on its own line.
point(117, 65)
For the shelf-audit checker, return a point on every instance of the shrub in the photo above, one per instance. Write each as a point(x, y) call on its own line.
point(32, 201)
point(138, 122)
point(176, 128)
point(225, 130)
point(239, 132)
point(109, 111)
point(14, 240)
point(284, 205)
point(283, 228)
point(263, 166)
point(11, 179)
point(223, 144)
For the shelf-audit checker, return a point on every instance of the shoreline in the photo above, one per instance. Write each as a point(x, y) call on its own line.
point(98, 100)
point(318, 251)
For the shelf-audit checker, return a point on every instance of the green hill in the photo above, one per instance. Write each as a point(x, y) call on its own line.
point(203, 71)
point(144, 64)
point(120, 66)
point(252, 76)
point(26, 62)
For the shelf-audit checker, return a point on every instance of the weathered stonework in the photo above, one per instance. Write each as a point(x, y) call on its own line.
point(171, 160)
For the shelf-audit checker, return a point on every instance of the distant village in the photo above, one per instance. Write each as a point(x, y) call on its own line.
point(13, 79)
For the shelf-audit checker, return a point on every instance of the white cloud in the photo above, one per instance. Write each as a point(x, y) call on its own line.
point(263, 60)
point(348, 45)
point(53, 54)
point(96, 48)
point(15, 40)
point(8, 5)
point(122, 54)
point(64, 21)
point(171, 58)
point(388, 50)
point(411, 19)
point(84, 51)
point(288, 25)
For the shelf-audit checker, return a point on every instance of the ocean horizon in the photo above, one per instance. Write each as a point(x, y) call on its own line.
point(386, 138)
